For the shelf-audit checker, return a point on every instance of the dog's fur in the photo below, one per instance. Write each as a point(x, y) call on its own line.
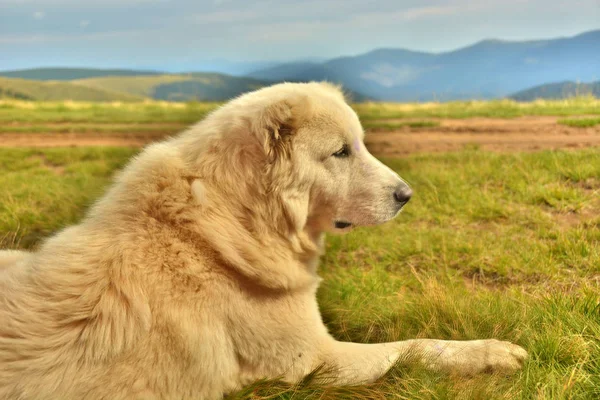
point(196, 273)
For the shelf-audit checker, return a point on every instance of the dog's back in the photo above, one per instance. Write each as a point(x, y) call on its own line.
point(9, 258)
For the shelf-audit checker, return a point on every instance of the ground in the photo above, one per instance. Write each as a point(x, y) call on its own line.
point(502, 237)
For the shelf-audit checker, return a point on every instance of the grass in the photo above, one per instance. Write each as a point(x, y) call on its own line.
point(384, 125)
point(580, 122)
point(491, 109)
point(93, 128)
point(14, 111)
point(58, 90)
point(44, 191)
point(492, 245)
point(115, 112)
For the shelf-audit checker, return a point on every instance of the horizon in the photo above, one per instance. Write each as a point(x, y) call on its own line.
point(229, 36)
point(281, 62)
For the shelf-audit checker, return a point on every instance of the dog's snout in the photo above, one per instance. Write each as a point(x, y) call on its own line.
point(402, 193)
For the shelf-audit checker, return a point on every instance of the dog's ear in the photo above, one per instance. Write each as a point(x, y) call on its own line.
point(275, 126)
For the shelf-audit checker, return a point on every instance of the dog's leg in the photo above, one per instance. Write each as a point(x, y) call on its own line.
point(355, 363)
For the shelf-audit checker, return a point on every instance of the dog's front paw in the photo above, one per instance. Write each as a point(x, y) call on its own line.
point(475, 356)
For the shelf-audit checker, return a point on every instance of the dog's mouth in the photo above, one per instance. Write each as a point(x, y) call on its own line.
point(342, 224)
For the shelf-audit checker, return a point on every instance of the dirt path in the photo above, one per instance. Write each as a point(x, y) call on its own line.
point(525, 134)
point(518, 134)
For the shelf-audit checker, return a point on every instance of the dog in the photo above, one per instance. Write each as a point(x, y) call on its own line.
point(196, 273)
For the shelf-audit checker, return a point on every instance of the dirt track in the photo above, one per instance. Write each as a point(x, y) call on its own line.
point(526, 134)
point(519, 134)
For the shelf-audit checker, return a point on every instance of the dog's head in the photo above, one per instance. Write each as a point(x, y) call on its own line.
point(296, 152)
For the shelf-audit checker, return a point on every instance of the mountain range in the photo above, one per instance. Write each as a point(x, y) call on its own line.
point(560, 90)
point(484, 70)
point(488, 69)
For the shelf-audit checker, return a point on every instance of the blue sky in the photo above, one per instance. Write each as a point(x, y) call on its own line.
point(184, 35)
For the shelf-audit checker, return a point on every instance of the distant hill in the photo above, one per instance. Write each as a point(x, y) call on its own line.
point(69, 74)
point(175, 87)
point(23, 89)
point(105, 86)
point(485, 70)
point(560, 90)
point(488, 69)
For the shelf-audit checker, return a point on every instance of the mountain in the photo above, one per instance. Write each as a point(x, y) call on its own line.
point(107, 85)
point(182, 87)
point(487, 69)
point(15, 88)
point(560, 90)
point(89, 83)
point(484, 70)
point(177, 87)
point(284, 71)
point(68, 74)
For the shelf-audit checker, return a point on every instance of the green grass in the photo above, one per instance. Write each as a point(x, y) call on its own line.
point(580, 122)
point(393, 125)
point(491, 109)
point(46, 190)
point(93, 128)
point(116, 112)
point(12, 111)
point(492, 245)
point(58, 90)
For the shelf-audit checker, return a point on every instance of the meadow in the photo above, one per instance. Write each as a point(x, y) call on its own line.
point(499, 245)
point(19, 111)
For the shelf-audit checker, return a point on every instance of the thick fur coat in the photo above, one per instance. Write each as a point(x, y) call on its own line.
point(195, 274)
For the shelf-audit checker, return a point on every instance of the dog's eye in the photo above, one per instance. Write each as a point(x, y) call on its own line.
point(343, 152)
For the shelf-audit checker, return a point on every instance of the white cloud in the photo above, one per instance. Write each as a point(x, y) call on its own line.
point(424, 12)
point(69, 38)
point(73, 3)
point(282, 29)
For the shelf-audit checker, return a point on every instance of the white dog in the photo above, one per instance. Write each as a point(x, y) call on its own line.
point(196, 273)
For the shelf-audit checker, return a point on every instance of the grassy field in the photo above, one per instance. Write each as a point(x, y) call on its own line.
point(492, 245)
point(15, 112)
point(53, 90)
point(580, 122)
point(489, 109)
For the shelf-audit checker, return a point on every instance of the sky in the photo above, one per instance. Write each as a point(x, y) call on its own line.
point(180, 35)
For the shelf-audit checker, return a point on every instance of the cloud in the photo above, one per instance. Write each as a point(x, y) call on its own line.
point(66, 39)
point(424, 12)
point(164, 31)
point(76, 3)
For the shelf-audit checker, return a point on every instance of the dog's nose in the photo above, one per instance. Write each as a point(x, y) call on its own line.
point(403, 193)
